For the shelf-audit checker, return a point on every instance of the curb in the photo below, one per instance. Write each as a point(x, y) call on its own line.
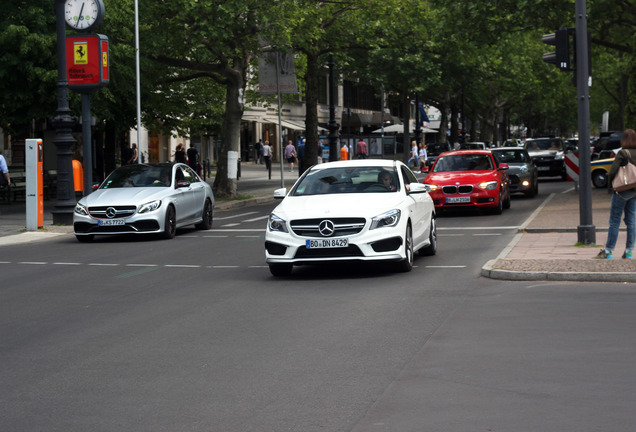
point(489, 271)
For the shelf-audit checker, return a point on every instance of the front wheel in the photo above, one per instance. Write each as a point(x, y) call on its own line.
point(407, 263)
point(431, 249)
point(599, 179)
point(207, 217)
point(170, 224)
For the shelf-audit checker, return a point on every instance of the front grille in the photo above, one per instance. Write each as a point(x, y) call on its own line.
point(348, 252)
point(462, 189)
point(120, 211)
point(342, 226)
point(514, 180)
point(137, 227)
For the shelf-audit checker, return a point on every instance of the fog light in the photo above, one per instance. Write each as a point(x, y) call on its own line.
point(525, 183)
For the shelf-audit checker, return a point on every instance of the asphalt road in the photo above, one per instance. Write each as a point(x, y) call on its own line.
point(194, 334)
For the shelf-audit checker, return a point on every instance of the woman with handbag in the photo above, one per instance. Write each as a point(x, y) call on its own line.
point(623, 198)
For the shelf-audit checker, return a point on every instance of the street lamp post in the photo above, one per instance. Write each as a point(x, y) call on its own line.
point(63, 123)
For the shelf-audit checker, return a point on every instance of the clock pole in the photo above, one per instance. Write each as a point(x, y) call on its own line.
point(63, 123)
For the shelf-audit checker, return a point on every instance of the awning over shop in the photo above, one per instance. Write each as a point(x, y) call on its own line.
point(400, 129)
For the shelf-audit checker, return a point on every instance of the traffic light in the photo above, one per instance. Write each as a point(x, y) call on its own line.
point(561, 56)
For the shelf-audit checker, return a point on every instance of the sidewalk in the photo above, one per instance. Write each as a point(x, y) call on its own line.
point(546, 246)
point(544, 249)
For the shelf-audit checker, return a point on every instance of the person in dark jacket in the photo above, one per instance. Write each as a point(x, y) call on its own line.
point(622, 202)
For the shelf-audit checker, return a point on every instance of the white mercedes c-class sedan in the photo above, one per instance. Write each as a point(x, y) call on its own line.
point(358, 210)
point(145, 199)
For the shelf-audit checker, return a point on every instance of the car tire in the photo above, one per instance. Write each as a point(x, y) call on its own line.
point(499, 208)
point(431, 249)
point(506, 203)
point(280, 270)
point(170, 223)
point(599, 179)
point(406, 264)
point(207, 215)
point(534, 191)
point(84, 238)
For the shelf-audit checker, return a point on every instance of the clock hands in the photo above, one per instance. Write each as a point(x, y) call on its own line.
point(80, 17)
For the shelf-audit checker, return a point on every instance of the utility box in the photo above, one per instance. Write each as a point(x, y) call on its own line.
point(34, 184)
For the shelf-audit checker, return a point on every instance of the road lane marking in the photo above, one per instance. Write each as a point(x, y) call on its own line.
point(256, 219)
point(103, 264)
point(67, 263)
point(182, 265)
point(142, 265)
point(33, 262)
point(487, 234)
point(234, 216)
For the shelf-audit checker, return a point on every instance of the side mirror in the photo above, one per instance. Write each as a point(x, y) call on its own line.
point(280, 193)
point(182, 184)
point(417, 188)
point(503, 166)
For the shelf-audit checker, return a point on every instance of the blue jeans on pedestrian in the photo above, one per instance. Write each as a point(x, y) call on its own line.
point(622, 202)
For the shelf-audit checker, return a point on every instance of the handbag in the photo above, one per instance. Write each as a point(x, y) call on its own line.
point(625, 177)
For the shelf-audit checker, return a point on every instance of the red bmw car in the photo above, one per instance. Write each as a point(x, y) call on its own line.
point(469, 179)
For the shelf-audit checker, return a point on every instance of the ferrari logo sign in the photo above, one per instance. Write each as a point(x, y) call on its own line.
point(80, 53)
point(87, 66)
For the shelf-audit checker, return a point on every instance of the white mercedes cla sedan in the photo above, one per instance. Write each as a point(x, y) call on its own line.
point(145, 199)
point(358, 210)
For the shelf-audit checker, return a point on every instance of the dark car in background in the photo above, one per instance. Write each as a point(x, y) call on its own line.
point(548, 154)
point(606, 145)
point(434, 150)
point(523, 173)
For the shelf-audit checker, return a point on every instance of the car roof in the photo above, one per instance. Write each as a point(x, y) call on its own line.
point(509, 148)
point(460, 152)
point(386, 163)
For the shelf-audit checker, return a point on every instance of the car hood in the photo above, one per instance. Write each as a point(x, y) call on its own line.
point(461, 177)
point(123, 196)
point(338, 205)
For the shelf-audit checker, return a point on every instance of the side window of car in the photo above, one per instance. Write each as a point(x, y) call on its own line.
point(408, 176)
point(178, 175)
point(190, 175)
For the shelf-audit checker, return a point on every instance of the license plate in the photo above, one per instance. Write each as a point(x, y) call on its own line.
point(327, 243)
point(111, 222)
point(454, 200)
point(543, 168)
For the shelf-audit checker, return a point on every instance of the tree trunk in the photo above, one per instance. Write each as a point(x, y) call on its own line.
point(230, 138)
point(311, 115)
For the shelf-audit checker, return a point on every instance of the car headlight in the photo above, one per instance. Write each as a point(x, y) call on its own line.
point(432, 187)
point(559, 156)
point(490, 185)
point(276, 224)
point(81, 209)
point(149, 207)
point(523, 169)
point(388, 219)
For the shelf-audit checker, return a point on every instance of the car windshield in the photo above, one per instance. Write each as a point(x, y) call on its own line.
point(510, 156)
point(348, 180)
point(544, 144)
point(463, 162)
point(139, 176)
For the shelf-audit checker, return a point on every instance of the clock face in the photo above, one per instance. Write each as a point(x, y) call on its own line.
point(83, 14)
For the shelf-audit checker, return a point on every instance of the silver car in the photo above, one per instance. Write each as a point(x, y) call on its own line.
point(522, 171)
point(145, 199)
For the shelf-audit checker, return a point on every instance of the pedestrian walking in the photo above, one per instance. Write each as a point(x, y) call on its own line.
point(290, 154)
point(622, 202)
point(5, 180)
point(267, 155)
point(180, 154)
point(414, 155)
point(134, 154)
point(422, 157)
point(361, 149)
point(193, 158)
